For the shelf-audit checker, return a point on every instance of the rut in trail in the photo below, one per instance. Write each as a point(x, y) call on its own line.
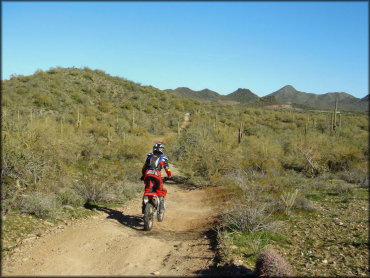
point(114, 242)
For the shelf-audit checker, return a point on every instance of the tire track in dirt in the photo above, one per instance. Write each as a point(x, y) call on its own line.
point(114, 242)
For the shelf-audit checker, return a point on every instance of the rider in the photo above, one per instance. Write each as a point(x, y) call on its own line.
point(151, 173)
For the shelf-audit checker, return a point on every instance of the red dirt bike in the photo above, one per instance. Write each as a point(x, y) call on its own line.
point(151, 211)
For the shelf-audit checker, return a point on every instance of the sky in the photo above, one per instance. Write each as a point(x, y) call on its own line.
point(317, 47)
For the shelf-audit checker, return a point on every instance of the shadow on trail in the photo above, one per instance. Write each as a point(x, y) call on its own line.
point(230, 270)
point(131, 221)
point(176, 180)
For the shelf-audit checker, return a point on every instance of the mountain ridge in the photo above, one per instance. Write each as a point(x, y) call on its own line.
point(285, 95)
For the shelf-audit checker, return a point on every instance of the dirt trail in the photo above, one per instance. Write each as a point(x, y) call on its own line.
point(114, 242)
point(184, 124)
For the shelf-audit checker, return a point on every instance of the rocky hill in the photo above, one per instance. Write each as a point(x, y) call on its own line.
point(325, 101)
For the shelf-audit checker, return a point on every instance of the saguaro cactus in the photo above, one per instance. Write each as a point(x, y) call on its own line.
point(61, 126)
point(335, 115)
point(240, 133)
point(109, 137)
point(332, 122)
point(78, 122)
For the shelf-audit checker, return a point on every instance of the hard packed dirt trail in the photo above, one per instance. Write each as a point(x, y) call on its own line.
point(114, 242)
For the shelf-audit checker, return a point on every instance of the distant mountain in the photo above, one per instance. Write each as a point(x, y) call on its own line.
point(241, 95)
point(203, 94)
point(281, 98)
point(324, 101)
point(365, 98)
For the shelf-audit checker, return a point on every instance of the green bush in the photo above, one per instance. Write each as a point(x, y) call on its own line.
point(41, 100)
point(38, 203)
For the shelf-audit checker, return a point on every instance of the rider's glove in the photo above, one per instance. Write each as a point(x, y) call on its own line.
point(142, 178)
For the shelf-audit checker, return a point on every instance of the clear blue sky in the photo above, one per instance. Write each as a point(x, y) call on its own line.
point(317, 47)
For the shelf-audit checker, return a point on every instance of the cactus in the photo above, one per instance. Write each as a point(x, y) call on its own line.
point(271, 264)
point(78, 122)
point(332, 122)
point(240, 134)
point(109, 137)
point(335, 115)
point(288, 200)
point(61, 126)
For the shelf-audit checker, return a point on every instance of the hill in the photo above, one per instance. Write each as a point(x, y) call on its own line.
point(241, 95)
point(325, 101)
point(62, 90)
point(67, 124)
point(203, 94)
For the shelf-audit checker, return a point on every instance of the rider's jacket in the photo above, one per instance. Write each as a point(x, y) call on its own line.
point(154, 164)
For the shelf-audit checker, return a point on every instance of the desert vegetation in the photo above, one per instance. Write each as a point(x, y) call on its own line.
point(73, 136)
point(276, 167)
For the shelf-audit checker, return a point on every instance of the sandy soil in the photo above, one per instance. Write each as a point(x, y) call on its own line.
point(114, 242)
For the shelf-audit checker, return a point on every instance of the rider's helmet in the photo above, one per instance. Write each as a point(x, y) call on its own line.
point(158, 148)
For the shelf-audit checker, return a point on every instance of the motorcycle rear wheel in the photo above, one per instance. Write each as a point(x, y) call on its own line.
point(148, 217)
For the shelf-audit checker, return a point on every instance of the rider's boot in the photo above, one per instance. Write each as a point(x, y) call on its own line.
point(161, 204)
point(143, 208)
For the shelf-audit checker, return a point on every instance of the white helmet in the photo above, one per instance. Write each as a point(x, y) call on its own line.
point(158, 148)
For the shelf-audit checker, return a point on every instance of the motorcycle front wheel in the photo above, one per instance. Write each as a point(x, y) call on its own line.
point(148, 217)
point(160, 216)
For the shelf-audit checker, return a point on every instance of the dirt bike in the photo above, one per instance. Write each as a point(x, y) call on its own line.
point(151, 211)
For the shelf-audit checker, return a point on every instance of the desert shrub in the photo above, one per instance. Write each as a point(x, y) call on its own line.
point(249, 215)
point(128, 191)
point(6, 100)
point(38, 203)
point(70, 197)
point(149, 110)
point(343, 188)
point(92, 189)
point(271, 264)
point(357, 173)
point(79, 98)
point(302, 203)
point(105, 106)
point(365, 183)
point(41, 100)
